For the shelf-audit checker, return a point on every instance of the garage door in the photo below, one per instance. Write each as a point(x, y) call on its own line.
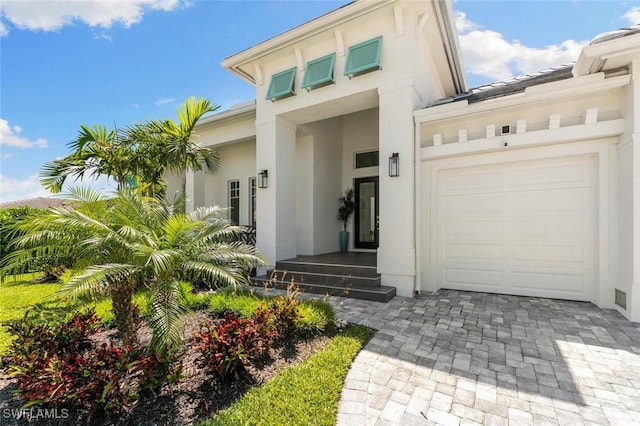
point(524, 228)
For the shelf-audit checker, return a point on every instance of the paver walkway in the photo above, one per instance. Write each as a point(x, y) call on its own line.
point(473, 358)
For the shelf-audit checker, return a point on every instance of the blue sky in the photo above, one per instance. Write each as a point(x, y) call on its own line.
point(111, 62)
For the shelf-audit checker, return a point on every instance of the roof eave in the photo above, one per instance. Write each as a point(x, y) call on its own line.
point(593, 58)
point(230, 114)
point(452, 44)
point(332, 19)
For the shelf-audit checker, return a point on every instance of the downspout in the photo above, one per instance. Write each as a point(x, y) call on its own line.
point(417, 285)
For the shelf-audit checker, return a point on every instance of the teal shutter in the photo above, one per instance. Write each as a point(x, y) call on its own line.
point(282, 85)
point(363, 57)
point(319, 72)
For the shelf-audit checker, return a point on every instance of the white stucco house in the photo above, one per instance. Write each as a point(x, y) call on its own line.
point(529, 186)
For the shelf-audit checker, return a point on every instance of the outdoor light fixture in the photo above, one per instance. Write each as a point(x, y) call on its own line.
point(394, 165)
point(262, 178)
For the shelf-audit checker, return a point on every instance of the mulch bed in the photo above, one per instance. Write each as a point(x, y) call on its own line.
point(195, 397)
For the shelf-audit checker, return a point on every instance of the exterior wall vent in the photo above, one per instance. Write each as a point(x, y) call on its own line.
point(621, 299)
point(319, 72)
point(282, 85)
point(363, 58)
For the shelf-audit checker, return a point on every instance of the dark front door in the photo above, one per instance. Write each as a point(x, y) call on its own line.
point(366, 223)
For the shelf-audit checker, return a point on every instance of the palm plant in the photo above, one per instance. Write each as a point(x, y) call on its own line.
point(172, 143)
point(141, 152)
point(96, 151)
point(131, 241)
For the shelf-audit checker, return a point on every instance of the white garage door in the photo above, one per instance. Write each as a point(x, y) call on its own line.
point(524, 228)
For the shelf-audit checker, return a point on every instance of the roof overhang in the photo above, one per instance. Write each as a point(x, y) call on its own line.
point(242, 63)
point(608, 54)
point(451, 43)
point(544, 93)
point(233, 113)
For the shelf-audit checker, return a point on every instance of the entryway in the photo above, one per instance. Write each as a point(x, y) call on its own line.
point(366, 214)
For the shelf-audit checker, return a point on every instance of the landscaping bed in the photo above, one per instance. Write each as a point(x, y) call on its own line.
point(199, 395)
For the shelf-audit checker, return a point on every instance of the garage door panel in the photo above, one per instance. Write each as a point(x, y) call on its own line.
point(470, 182)
point(550, 284)
point(476, 278)
point(549, 253)
point(475, 206)
point(552, 176)
point(546, 202)
point(551, 228)
point(530, 234)
point(481, 252)
point(474, 229)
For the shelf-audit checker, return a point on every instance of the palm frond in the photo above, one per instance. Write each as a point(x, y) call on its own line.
point(96, 280)
point(168, 307)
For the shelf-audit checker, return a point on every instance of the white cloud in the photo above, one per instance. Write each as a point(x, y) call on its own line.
point(102, 35)
point(488, 54)
point(5, 156)
point(163, 101)
point(3, 29)
point(10, 136)
point(38, 15)
point(632, 16)
point(21, 189)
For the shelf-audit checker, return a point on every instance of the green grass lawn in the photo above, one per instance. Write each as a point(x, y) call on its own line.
point(18, 296)
point(306, 394)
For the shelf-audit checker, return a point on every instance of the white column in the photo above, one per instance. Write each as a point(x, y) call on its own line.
point(276, 205)
point(634, 119)
point(396, 253)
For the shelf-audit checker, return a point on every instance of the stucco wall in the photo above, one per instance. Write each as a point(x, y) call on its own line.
point(304, 195)
point(327, 177)
point(238, 161)
point(360, 134)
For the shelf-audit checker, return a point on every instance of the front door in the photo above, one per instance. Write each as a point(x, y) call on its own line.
point(366, 223)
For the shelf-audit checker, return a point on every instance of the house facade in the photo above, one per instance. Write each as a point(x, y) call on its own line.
point(529, 186)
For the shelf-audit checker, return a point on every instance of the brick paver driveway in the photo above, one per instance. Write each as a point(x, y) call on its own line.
point(473, 358)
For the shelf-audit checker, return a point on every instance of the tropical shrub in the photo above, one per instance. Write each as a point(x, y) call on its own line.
point(281, 314)
point(57, 366)
point(227, 346)
point(8, 220)
point(131, 242)
point(314, 317)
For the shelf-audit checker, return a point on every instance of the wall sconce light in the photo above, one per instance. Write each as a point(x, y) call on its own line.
point(263, 178)
point(394, 165)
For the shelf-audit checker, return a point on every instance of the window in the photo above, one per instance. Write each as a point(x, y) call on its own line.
point(363, 58)
point(319, 72)
point(366, 159)
point(282, 85)
point(234, 201)
point(252, 201)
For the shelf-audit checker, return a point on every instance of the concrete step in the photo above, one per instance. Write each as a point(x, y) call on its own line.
point(338, 280)
point(377, 294)
point(327, 268)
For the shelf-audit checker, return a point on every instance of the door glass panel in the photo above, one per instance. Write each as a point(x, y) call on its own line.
point(367, 212)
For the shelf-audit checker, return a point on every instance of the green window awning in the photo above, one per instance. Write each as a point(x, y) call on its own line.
point(319, 72)
point(282, 85)
point(363, 57)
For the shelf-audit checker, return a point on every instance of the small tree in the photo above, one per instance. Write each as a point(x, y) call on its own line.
point(132, 241)
point(347, 207)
